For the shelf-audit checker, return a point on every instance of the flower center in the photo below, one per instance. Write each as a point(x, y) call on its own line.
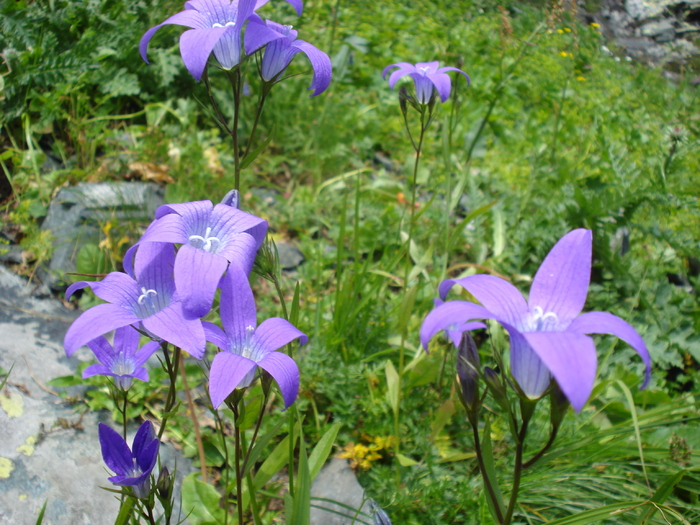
point(541, 321)
point(247, 350)
point(206, 240)
point(424, 70)
point(145, 297)
point(227, 24)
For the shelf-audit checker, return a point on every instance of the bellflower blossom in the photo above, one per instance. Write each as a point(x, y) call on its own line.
point(144, 296)
point(215, 25)
point(245, 347)
point(427, 76)
point(124, 360)
point(132, 466)
point(211, 238)
point(547, 334)
point(280, 52)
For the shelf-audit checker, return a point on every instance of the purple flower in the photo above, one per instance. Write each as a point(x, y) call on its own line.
point(132, 466)
point(215, 25)
point(279, 53)
point(246, 347)
point(211, 238)
point(427, 77)
point(145, 297)
point(547, 334)
point(121, 361)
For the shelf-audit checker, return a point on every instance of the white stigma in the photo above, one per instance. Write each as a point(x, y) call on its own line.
point(540, 319)
point(144, 294)
point(227, 24)
point(424, 70)
point(206, 240)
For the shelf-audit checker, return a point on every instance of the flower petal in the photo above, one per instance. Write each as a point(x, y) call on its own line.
point(216, 335)
point(456, 335)
point(241, 250)
point(227, 49)
point(323, 69)
point(196, 213)
point(606, 323)
point(450, 316)
point(95, 370)
point(104, 352)
point(145, 352)
point(227, 371)
point(274, 333)
point(195, 47)
point(442, 83)
point(528, 370)
point(403, 66)
point(126, 340)
point(172, 325)
point(197, 276)
point(117, 288)
point(257, 35)
point(95, 322)
point(450, 68)
point(187, 18)
point(297, 4)
point(572, 360)
point(561, 283)
point(145, 435)
point(497, 295)
point(226, 221)
point(400, 73)
point(237, 305)
point(115, 451)
point(285, 371)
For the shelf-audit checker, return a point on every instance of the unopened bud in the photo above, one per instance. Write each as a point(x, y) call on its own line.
point(468, 369)
point(164, 483)
point(495, 386)
point(404, 97)
point(558, 405)
point(380, 517)
point(232, 198)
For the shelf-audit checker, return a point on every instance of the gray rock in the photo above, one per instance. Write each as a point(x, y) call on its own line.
point(338, 482)
point(645, 9)
point(661, 30)
point(290, 256)
point(76, 212)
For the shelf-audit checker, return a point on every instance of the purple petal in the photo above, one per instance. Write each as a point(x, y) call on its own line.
point(139, 373)
point(605, 323)
point(192, 212)
point(428, 67)
point(216, 335)
point(116, 287)
point(169, 228)
point(456, 335)
point(450, 316)
point(571, 358)
point(285, 371)
point(442, 83)
point(450, 68)
point(323, 69)
point(226, 221)
point(227, 371)
point(95, 370)
point(405, 66)
point(497, 295)
point(528, 370)
point(561, 283)
point(95, 322)
point(188, 18)
point(147, 457)
point(237, 306)
point(144, 436)
point(241, 250)
point(297, 4)
point(195, 47)
point(172, 325)
point(104, 352)
point(257, 35)
point(400, 73)
point(115, 451)
point(227, 49)
point(274, 333)
point(197, 275)
point(153, 266)
point(126, 340)
point(145, 352)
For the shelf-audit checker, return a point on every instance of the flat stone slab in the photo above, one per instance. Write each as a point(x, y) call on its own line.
point(338, 482)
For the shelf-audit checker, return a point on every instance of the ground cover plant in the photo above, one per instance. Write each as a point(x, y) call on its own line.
point(495, 146)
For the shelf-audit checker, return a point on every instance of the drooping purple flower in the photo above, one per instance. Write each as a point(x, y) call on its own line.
point(280, 52)
point(547, 334)
point(215, 25)
point(211, 238)
point(145, 296)
point(124, 360)
point(132, 466)
point(245, 347)
point(427, 77)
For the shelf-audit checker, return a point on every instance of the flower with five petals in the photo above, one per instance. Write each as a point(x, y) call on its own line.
point(427, 77)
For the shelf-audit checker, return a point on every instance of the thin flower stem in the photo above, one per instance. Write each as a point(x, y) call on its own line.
point(237, 459)
point(548, 445)
point(488, 483)
point(249, 481)
point(173, 369)
point(526, 410)
point(224, 445)
point(235, 80)
point(126, 398)
point(258, 422)
point(195, 423)
point(402, 347)
point(258, 113)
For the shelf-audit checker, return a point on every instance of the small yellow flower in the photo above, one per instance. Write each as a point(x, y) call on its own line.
point(580, 78)
point(560, 31)
point(564, 54)
point(595, 25)
point(567, 30)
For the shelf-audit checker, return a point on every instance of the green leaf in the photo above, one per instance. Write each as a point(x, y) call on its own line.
point(633, 412)
point(40, 517)
point(405, 461)
point(322, 450)
point(90, 260)
point(2, 385)
point(598, 515)
point(407, 308)
point(252, 410)
point(245, 161)
point(260, 445)
point(294, 311)
point(201, 501)
point(65, 381)
point(302, 489)
point(392, 385)
point(489, 466)
point(126, 511)
point(662, 494)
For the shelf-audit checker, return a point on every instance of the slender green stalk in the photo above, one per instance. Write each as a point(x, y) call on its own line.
point(224, 445)
point(237, 459)
point(527, 408)
point(126, 398)
point(258, 113)
point(249, 478)
point(488, 483)
point(543, 451)
point(235, 80)
point(173, 367)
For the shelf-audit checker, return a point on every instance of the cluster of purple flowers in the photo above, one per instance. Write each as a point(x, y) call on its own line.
point(218, 26)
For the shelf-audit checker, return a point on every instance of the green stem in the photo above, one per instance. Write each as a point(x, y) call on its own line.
point(526, 410)
point(237, 459)
point(126, 394)
point(488, 483)
point(548, 445)
point(224, 445)
point(249, 479)
point(258, 113)
point(173, 367)
point(235, 80)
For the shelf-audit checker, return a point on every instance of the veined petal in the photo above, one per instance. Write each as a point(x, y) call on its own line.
point(450, 316)
point(195, 213)
point(153, 266)
point(528, 370)
point(145, 435)
point(115, 451)
point(172, 325)
point(103, 350)
point(450, 68)
point(276, 332)
point(117, 288)
point(95, 370)
point(226, 220)
point(606, 323)
point(148, 455)
point(145, 352)
point(227, 371)
point(258, 34)
point(126, 340)
point(227, 49)
point(187, 18)
point(197, 275)
point(195, 47)
point(95, 322)
point(237, 305)
point(216, 335)
point(561, 283)
point(456, 335)
point(408, 68)
point(296, 4)
point(241, 250)
point(497, 295)
point(572, 360)
point(442, 83)
point(285, 371)
point(323, 69)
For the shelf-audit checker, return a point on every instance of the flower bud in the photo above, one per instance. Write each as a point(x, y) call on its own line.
point(493, 383)
point(232, 198)
point(378, 515)
point(468, 369)
point(164, 484)
point(558, 405)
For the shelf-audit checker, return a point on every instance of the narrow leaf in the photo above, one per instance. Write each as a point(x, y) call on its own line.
point(322, 450)
point(392, 385)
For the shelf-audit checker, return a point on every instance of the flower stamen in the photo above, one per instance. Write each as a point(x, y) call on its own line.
point(145, 295)
point(206, 240)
